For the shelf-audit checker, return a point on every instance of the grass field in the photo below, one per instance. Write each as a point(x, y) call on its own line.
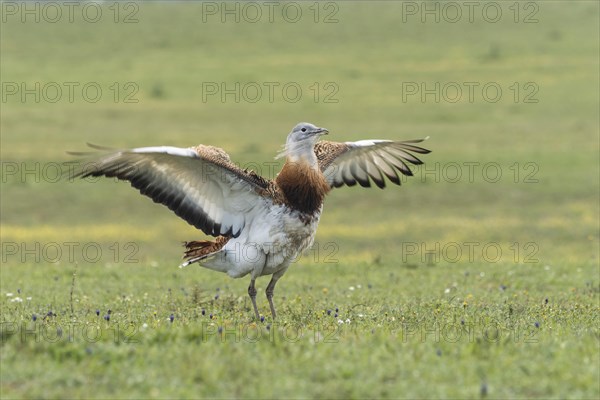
point(478, 277)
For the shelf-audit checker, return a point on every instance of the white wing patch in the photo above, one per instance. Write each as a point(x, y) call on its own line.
point(366, 143)
point(175, 151)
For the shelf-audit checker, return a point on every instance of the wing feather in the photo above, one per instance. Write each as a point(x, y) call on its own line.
point(387, 169)
point(374, 172)
point(201, 184)
point(360, 162)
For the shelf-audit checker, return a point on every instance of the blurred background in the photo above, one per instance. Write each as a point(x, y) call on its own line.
point(506, 93)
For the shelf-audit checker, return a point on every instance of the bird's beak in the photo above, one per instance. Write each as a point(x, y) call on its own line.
point(322, 131)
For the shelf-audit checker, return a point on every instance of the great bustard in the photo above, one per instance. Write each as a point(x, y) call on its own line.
point(260, 225)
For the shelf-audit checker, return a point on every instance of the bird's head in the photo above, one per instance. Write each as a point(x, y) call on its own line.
point(305, 132)
point(301, 142)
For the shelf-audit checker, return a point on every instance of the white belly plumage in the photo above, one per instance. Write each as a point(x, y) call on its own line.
point(269, 242)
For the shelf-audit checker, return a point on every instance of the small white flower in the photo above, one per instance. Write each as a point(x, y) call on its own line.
point(28, 298)
point(360, 315)
point(447, 290)
point(348, 320)
point(351, 288)
point(9, 295)
point(359, 286)
point(17, 299)
point(340, 321)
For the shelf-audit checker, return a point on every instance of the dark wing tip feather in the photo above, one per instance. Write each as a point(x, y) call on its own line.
point(350, 182)
point(99, 147)
point(417, 149)
point(81, 153)
point(379, 182)
point(407, 172)
point(90, 153)
point(364, 182)
point(394, 178)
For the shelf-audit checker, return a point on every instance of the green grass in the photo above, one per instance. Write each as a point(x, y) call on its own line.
point(524, 325)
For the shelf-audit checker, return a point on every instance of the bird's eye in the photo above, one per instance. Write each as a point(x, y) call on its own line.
point(303, 129)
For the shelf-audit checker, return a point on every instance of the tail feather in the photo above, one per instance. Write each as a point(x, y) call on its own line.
point(198, 250)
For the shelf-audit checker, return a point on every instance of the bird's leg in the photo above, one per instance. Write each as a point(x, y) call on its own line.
point(269, 292)
point(252, 294)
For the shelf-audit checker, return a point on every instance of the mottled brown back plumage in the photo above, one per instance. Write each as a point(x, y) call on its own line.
point(327, 152)
point(221, 159)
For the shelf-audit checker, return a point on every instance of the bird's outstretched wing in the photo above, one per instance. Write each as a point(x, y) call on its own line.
point(200, 184)
point(360, 162)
